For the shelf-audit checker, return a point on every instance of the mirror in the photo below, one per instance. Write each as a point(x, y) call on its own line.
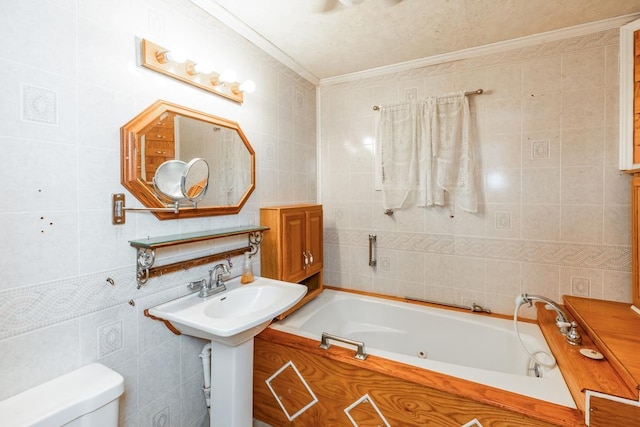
point(169, 134)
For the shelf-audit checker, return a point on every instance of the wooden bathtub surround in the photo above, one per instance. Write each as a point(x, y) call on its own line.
point(405, 395)
point(615, 329)
point(579, 372)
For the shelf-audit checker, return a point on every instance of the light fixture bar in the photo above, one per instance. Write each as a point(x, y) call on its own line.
point(154, 57)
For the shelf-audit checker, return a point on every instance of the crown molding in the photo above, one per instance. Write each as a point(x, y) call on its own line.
point(230, 20)
point(549, 36)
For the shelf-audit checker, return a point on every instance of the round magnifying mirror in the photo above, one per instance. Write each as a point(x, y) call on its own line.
point(195, 180)
point(168, 177)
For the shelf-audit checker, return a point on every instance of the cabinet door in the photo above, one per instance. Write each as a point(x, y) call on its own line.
point(635, 239)
point(314, 241)
point(294, 249)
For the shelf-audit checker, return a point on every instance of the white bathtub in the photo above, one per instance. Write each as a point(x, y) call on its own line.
point(469, 346)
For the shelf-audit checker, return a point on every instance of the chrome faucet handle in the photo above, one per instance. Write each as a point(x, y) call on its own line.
point(573, 336)
point(197, 285)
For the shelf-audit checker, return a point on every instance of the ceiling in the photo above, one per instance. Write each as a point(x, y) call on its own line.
point(325, 42)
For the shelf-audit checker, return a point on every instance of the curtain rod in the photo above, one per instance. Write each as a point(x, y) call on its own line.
point(473, 92)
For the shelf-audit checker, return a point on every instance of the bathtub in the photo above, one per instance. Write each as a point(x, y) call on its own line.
point(473, 347)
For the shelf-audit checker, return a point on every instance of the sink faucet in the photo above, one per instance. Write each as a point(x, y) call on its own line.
point(566, 327)
point(215, 284)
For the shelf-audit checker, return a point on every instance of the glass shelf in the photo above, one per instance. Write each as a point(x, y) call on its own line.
point(178, 239)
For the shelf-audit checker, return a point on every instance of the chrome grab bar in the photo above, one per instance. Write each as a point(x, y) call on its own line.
point(476, 308)
point(372, 260)
point(324, 344)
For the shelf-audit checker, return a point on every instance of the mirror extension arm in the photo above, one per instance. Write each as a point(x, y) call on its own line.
point(118, 209)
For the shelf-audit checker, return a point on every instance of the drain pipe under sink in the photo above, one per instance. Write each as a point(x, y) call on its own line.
point(205, 355)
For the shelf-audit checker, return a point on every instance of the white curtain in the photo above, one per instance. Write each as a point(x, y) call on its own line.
point(427, 150)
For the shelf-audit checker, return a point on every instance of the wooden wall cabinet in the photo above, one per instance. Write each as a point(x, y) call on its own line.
point(292, 248)
point(635, 239)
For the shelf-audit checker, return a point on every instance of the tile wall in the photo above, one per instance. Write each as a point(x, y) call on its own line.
point(69, 82)
point(554, 214)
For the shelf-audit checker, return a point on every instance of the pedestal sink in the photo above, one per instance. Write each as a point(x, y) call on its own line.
point(230, 320)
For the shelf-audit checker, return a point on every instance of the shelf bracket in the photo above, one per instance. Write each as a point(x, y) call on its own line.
point(255, 239)
point(145, 259)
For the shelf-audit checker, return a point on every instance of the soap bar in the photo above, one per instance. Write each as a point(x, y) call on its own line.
point(591, 353)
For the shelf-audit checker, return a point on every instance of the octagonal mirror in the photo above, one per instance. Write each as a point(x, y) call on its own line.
point(167, 131)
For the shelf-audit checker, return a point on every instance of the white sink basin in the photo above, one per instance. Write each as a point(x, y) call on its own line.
point(235, 315)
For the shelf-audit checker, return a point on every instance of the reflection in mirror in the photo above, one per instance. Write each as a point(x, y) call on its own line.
point(166, 132)
point(228, 158)
point(181, 182)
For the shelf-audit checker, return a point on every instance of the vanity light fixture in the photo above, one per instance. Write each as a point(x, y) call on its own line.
point(201, 75)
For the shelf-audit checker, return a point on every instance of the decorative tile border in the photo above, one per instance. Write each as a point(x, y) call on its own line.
point(32, 307)
point(604, 257)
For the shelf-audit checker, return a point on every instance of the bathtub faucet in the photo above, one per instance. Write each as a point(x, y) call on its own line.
point(566, 327)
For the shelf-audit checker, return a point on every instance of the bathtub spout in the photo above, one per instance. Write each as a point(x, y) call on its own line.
point(562, 320)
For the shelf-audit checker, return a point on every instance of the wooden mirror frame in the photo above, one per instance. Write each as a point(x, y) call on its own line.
point(129, 168)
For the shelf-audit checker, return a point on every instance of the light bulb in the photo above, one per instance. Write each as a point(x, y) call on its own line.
point(227, 76)
point(203, 68)
point(247, 86)
point(177, 55)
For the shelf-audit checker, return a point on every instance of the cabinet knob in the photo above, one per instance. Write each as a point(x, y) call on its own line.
point(306, 259)
point(310, 257)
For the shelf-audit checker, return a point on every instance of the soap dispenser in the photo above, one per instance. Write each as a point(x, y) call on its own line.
point(247, 270)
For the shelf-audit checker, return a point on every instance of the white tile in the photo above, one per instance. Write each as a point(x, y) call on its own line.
point(48, 239)
point(157, 373)
point(109, 336)
point(43, 36)
point(44, 176)
point(583, 69)
point(37, 357)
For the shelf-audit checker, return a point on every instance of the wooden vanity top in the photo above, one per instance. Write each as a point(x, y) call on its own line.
point(615, 329)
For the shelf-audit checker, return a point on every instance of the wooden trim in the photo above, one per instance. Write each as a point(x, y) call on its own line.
point(166, 322)
point(149, 59)
point(185, 265)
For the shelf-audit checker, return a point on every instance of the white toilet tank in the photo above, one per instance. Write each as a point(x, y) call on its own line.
point(86, 397)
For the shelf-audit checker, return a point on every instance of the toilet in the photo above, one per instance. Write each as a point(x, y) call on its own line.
point(86, 397)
